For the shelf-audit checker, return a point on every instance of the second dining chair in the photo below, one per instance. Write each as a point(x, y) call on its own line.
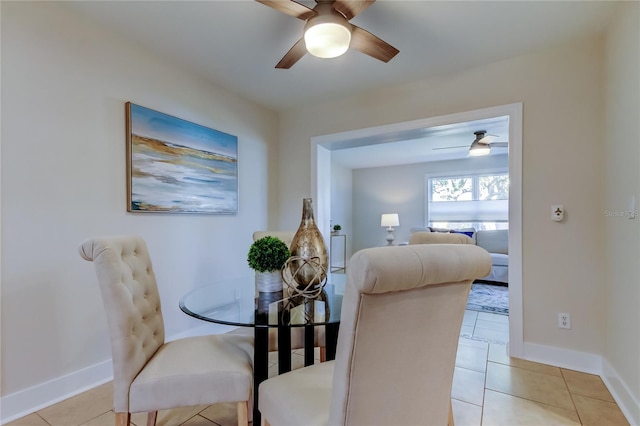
point(401, 316)
point(150, 374)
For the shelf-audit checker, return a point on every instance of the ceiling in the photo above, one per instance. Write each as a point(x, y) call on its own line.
point(236, 44)
point(423, 145)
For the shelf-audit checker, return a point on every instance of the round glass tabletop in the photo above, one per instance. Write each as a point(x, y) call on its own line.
point(234, 302)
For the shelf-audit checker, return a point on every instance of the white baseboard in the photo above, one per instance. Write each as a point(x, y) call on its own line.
point(30, 400)
point(625, 399)
point(592, 364)
point(563, 358)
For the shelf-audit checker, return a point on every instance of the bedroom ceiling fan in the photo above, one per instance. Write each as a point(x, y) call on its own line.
point(481, 145)
point(328, 32)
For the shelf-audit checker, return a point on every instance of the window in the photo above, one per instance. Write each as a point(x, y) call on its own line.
point(479, 201)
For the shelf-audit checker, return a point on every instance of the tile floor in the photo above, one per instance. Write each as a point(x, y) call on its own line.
point(489, 388)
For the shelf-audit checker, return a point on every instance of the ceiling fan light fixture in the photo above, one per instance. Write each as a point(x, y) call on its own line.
point(327, 36)
point(480, 146)
point(478, 149)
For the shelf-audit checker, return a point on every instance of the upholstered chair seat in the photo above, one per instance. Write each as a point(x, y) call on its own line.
point(401, 316)
point(150, 374)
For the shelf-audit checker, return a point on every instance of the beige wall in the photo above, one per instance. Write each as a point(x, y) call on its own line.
point(562, 95)
point(64, 85)
point(622, 179)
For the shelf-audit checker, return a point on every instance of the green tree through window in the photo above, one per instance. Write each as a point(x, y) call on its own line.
point(453, 189)
point(495, 187)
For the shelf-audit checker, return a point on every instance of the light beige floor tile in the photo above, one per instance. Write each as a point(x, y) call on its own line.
point(470, 318)
point(468, 386)
point(471, 342)
point(491, 335)
point(528, 384)
point(472, 358)
point(30, 420)
point(297, 361)
point(198, 421)
point(466, 331)
point(586, 385)
point(80, 408)
point(172, 417)
point(465, 414)
point(107, 419)
point(498, 353)
point(316, 353)
point(272, 371)
point(501, 409)
point(486, 316)
point(492, 325)
point(594, 412)
point(223, 414)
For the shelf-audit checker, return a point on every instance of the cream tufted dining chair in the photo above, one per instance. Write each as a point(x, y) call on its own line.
point(150, 374)
point(297, 333)
point(401, 316)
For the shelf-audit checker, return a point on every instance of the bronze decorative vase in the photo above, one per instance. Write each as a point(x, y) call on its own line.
point(309, 262)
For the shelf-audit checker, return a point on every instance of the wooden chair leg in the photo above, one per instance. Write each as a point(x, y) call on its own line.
point(151, 418)
point(243, 413)
point(123, 419)
point(451, 415)
point(323, 353)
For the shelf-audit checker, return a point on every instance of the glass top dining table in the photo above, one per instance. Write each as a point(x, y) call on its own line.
point(235, 302)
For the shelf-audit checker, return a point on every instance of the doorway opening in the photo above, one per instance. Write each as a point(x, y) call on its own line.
point(323, 146)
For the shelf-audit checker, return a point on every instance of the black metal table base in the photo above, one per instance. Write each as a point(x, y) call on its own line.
point(261, 354)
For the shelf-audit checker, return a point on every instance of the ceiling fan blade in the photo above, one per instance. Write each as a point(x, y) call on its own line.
point(371, 45)
point(499, 144)
point(291, 8)
point(450, 147)
point(351, 8)
point(293, 55)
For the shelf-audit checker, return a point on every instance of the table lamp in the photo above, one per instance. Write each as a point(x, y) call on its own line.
point(390, 220)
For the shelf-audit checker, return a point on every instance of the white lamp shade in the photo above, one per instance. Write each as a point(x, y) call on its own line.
point(327, 36)
point(390, 219)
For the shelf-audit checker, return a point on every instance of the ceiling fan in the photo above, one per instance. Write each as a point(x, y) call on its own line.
point(328, 32)
point(481, 145)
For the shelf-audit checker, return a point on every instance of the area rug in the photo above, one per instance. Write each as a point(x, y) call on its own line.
point(489, 298)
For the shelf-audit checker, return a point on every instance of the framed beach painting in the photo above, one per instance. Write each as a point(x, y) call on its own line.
point(175, 166)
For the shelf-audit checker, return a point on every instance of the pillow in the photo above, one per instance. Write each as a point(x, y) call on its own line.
point(433, 229)
point(419, 229)
point(469, 232)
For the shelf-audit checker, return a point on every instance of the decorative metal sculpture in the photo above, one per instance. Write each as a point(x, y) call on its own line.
point(314, 272)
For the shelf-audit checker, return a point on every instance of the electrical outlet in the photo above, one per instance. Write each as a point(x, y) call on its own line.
point(564, 320)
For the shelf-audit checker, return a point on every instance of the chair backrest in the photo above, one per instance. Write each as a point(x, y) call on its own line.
point(401, 317)
point(132, 305)
point(285, 236)
point(439, 238)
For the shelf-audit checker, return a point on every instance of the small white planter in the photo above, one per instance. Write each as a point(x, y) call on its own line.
point(267, 282)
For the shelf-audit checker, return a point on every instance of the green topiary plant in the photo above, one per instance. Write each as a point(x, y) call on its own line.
point(268, 254)
point(336, 228)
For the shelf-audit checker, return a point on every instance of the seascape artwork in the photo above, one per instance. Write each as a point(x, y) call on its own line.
point(176, 166)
